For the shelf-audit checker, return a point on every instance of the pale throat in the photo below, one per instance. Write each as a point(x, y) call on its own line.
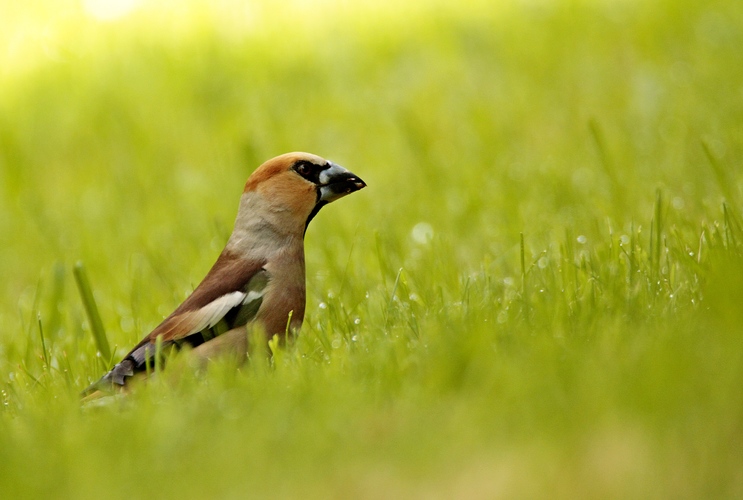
point(264, 226)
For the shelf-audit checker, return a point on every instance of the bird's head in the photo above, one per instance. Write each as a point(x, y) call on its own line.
point(301, 184)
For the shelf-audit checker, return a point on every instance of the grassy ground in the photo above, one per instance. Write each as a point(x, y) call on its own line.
point(444, 355)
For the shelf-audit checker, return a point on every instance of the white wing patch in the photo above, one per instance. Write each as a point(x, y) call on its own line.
point(253, 296)
point(213, 312)
point(216, 309)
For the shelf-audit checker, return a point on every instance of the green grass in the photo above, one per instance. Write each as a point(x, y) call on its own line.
point(539, 294)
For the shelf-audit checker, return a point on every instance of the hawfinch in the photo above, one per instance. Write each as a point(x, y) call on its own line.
point(259, 278)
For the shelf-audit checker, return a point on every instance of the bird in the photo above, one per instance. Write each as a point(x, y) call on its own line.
point(258, 280)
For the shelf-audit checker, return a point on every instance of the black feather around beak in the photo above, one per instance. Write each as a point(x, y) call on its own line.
point(335, 182)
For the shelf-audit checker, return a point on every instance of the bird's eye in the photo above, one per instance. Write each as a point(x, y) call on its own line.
point(303, 168)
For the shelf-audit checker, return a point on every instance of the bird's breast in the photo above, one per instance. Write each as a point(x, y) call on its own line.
point(284, 301)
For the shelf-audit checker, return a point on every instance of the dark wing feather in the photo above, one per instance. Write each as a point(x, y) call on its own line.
point(229, 274)
point(231, 293)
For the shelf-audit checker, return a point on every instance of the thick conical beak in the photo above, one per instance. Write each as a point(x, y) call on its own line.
point(336, 182)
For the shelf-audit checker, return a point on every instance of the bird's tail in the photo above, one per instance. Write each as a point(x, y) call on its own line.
point(111, 381)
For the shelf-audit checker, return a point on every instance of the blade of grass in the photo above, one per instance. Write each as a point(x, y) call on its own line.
point(606, 161)
point(524, 298)
point(718, 169)
point(53, 317)
point(69, 375)
point(348, 261)
point(25, 370)
point(43, 342)
point(392, 298)
point(731, 227)
point(158, 353)
point(91, 309)
point(656, 230)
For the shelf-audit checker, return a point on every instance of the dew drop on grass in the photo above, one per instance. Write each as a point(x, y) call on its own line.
point(542, 262)
point(322, 305)
point(624, 239)
point(357, 321)
point(422, 233)
point(581, 239)
point(336, 343)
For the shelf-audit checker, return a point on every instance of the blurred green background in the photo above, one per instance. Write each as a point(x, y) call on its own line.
point(539, 294)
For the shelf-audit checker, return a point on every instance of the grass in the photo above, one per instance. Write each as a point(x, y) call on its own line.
point(537, 296)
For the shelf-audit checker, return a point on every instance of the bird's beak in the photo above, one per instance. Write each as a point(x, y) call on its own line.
point(336, 182)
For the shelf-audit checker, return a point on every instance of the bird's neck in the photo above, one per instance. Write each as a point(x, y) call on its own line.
point(262, 227)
